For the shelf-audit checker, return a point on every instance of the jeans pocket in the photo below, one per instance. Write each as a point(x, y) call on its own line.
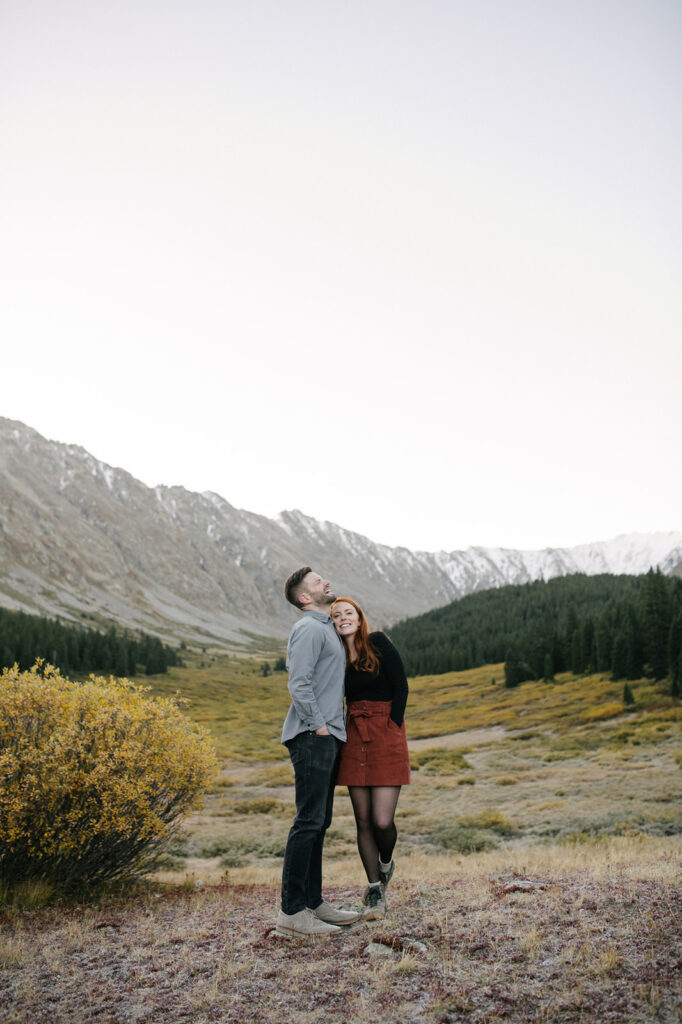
point(323, 752)
point(299, 748)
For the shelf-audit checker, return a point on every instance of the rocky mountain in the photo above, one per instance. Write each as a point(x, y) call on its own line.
point(80, 538)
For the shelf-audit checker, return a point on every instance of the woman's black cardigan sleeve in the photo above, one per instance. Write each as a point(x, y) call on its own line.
point(392, 668)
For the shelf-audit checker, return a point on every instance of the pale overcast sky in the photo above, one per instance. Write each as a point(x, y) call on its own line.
point(413, 267)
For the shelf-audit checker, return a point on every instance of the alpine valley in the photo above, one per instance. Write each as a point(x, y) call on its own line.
point(80, 539)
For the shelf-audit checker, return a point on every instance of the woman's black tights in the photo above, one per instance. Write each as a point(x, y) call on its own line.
point(374, 808)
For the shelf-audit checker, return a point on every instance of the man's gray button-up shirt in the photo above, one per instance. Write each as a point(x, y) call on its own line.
point(316, 662)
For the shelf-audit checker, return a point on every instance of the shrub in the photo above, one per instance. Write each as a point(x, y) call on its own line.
point(236, 850)
point(93, 776)
point(232, 859)
point(607, 710)
point(222, 782)
point(489, 819)
point(439, 761)
point(274, 847)
point(462, 839)
point(622, 737)
point(215, 848)
point(262, 805)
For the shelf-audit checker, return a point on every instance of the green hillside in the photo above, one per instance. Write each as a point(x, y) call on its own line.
point(628, 626)
point(493, 768)
point(244, 711)
point(25, 638)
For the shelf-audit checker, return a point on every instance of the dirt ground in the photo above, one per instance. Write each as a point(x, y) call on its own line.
point(544, 948)
point(469, 737)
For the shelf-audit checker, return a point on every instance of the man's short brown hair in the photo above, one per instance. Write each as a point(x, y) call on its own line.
point(292, 587)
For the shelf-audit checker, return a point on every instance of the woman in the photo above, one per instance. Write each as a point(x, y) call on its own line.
point(374, 761)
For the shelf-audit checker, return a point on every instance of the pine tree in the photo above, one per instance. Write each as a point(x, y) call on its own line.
point(572, 627)
point(603, 642)
point(576, 658)
point(559, 657)
point(156, 657)
point(589, 657)
point(121, 666)
point(26, 647)
point(628, 695)
point(675, 644)
point(512, 669)
point(676, 685)
point(516, 670)
point(656, 621)
point(619, 660)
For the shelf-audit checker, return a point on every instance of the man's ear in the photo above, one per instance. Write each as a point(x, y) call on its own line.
point(304, 599)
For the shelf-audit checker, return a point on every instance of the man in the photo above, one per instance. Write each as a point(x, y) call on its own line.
point(313, 732)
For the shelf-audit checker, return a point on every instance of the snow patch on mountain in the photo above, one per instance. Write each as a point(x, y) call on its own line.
point(77, 534)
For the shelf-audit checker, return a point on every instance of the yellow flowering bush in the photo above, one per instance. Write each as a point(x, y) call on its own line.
point(93, 775)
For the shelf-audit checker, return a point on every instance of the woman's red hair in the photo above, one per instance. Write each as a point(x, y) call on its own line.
point(367, 656)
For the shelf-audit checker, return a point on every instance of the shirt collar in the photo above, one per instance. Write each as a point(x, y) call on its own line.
point(320, 616)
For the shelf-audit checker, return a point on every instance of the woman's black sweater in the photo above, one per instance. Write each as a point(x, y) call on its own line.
point(390, 682)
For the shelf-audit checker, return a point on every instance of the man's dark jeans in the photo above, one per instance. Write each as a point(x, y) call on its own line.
point(315, 761)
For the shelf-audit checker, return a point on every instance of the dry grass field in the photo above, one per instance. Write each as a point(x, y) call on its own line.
point(600, 943)
point(539, 866)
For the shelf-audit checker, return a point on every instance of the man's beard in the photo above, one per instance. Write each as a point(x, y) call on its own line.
point(328, 598)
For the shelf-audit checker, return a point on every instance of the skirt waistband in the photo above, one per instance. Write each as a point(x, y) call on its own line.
point(365, 708)
point(361, 709)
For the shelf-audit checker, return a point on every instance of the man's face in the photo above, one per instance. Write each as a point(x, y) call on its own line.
point(318, 590)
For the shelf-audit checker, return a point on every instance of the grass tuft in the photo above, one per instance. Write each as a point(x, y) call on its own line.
point(489, 819)
point(30, 895)
point(439, 761)
point(608, 961)
point(462, 839)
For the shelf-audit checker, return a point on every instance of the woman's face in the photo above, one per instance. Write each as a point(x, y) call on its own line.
point(345, 619)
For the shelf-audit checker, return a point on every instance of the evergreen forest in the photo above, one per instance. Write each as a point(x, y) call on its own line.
point(630, 626)
point(24, 638)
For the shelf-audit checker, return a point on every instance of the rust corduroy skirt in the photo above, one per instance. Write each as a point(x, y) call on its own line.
point(375, 753)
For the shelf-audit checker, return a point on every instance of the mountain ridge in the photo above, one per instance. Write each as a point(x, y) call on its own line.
point(81, 538)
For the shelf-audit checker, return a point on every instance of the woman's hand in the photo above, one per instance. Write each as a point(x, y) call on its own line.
point(322, 731)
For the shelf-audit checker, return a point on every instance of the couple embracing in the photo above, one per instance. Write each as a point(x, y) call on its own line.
point(332, 654)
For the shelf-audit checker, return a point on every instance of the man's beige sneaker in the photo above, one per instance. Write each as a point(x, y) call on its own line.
point(375, 901)
point(325, 912)
point(303, 925)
